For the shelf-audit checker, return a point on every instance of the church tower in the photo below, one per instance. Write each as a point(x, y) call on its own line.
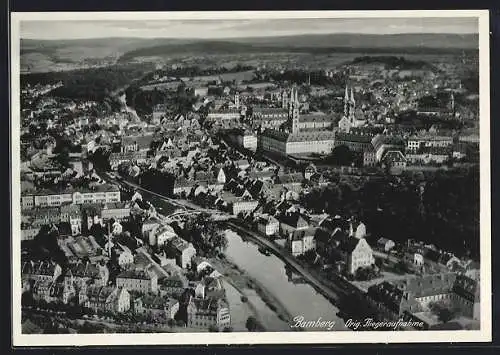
point(291, 102)
point(346, 102)
point(294, 109)
point(352, 106)
point(284, 100)
point(237, 99)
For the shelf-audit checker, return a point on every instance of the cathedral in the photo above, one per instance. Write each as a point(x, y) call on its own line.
point(349, 119)
point(305, 134)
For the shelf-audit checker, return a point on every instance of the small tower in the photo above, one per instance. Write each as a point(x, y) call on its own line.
point(284, 100)
point(452, 102)
point(291, 102)
point(295, 122)
point(352, 106)
point(346, 102)
point(237, 99)
point(109, 239)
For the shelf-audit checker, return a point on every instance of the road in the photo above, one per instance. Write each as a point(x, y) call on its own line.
point(326, 291)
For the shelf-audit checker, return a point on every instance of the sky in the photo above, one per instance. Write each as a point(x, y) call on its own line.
point(52, 30)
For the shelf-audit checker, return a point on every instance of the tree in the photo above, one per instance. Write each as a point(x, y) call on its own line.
point(443, 311)
point(27, 299)
point(251, 324)
point(341, 155)
point(213, 328)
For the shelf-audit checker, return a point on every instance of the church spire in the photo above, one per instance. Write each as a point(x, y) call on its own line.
point(346, 102)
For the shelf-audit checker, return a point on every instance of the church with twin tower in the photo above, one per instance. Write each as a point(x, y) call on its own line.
point(349, 119)
point(301, 137)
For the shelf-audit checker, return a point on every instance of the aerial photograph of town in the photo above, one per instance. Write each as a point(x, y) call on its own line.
point(255, 175)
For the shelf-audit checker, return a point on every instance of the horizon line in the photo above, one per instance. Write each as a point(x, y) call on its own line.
point(243, 37)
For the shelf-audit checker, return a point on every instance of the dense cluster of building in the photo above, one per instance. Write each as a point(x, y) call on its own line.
point(208, 155)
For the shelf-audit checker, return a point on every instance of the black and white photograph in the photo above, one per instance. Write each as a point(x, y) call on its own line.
point(250, 177)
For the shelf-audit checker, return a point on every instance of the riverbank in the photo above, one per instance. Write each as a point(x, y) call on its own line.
point(266, 308)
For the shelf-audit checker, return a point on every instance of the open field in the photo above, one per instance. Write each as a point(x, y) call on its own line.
point(43, 55)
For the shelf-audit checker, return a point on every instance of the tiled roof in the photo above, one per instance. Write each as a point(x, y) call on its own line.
point(143, 141)
point(350, 137)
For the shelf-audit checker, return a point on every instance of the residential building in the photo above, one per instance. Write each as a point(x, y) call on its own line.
point(416, 294)
point(386, 245)
point(203, 313)
point(118, 211)
point(173, 285)
point(141, 281)
point(301, 241)
point(356, 142)
point(414, 143)
point(266, 117)
point(183, 251)
point(291, 222)
point(136, 143)
point(268, 225)
point(157, 306)
point(209, 288)
point(57, 197)
point(106, 298)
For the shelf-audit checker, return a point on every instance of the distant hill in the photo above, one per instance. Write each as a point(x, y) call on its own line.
point(44, 54)
point(405, 40)
point(320, 44)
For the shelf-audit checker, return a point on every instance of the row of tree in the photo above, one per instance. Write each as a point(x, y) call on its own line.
point(444, 211)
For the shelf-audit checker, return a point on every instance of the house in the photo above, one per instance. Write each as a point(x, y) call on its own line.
point(242, 202)
point(395, 160)
point(356, 254)
point(150, 225)
point(291, 222)
point(450, 261)
point(106, 298)
point(119, 211)
point(80, 247)
point(413, 295)
point(125, 256)
point(268, 225)
point(159, 307)
point(183, 186)
point(173, 285)
point(418, 259)
point(309, 171)
point(81, 274)
point(242, 164)
point(161, 235)
point(385, 244)
point(301, 241)
point(182, 250)
point(203, 313)
point(138, 143)
point(221, 176)
point(116, 228)
point(350, 252)
point(209, 287)
point(141, 281)
point(357, 229)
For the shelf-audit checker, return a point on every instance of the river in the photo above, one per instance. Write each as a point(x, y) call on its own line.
point(297, 297)
point(300, 299)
